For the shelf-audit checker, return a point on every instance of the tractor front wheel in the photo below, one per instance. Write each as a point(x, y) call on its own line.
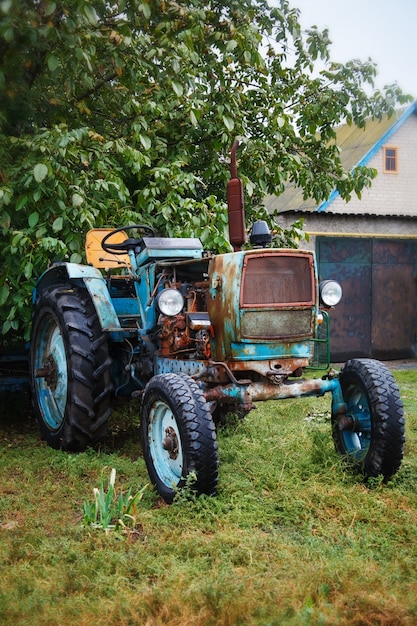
point(69, 369)
point(371, 434)
point(178, 436)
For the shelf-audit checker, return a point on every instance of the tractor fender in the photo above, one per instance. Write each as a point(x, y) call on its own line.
point(60, 273)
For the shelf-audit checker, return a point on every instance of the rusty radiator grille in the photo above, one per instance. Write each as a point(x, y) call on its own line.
point(279, 324)
point(278, 279)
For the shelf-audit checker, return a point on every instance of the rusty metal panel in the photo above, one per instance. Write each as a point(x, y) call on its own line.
point(378, 314)
point(394, 252)
point(349, 262)
point(393, 299)
point(278, 279)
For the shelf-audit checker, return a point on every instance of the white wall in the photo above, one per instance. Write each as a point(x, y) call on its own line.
point(390, 194)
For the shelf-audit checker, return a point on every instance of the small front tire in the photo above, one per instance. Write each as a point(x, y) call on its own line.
point(178, 436)
point(371, 435)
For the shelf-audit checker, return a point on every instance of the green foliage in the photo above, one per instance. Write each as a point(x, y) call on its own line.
point(112, 512)
point(114, 112)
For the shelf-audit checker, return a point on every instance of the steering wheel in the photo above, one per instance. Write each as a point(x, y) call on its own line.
point(129, 243)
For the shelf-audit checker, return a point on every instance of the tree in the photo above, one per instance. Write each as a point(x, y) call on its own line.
point(124, 111)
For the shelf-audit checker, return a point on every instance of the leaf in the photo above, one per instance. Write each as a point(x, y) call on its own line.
point(58, 224)
point(167, 213)
point(16, 238)
point(8, 34)
point(146, 10)
point(231, 45)
point(87, 58)
point(28, 270)
point(40, 172)
point(193, 119)
point(53, 62)
point(21, 202)
point(4, 294)
point(90, 14)
point(50, 8)
point(37, 194)
point(228, 122)
point(178, 88)
point(145, 141)
point(6, 326)
point(33, 219)
point(77, 200)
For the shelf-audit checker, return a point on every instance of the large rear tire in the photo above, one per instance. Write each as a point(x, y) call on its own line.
point(371, 435)
point(178, 436)
point(69, 369)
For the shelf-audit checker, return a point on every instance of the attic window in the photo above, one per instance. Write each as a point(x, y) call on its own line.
point(390, 160)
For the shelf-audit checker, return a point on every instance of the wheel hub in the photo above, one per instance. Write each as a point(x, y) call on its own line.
point(49, 371)
point(346, 422)
point(170, 442)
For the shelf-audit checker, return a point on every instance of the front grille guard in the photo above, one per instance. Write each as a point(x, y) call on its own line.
point(320, 346)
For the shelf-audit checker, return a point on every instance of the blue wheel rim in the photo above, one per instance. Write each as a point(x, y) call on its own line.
point(168, 466)
point(52, 389)
point(357, 442)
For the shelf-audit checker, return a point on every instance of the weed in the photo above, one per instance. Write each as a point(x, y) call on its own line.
point(187, 492)
point(375, 482)
point(112, 512)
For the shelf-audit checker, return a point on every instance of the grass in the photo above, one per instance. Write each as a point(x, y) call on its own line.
point(292, 537)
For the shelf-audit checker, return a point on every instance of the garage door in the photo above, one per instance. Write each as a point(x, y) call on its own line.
point(377, 316)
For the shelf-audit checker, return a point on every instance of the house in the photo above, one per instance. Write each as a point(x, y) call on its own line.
point(368, 244)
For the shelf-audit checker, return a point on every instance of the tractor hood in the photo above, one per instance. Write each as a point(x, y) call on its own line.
point(262, 304)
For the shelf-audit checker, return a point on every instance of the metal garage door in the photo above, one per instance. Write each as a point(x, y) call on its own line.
point(378, 313)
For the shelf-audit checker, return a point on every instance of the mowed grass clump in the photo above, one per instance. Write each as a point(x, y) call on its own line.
point(292, 537)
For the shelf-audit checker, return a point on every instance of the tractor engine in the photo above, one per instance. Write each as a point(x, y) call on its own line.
point(187, 333)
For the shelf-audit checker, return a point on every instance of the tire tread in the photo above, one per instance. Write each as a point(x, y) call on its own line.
point(90, 388)
point(386, 449)
point(200, 442)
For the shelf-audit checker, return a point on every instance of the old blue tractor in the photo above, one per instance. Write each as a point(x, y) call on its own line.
point(195, 336)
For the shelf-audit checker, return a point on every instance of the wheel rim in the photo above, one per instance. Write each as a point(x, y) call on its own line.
point(165, 445)
point(357, 438)
point(50, 373)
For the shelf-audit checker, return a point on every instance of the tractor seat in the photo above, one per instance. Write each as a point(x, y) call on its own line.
point(98, 257)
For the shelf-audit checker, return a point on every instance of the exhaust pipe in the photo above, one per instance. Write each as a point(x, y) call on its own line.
point(235, 204)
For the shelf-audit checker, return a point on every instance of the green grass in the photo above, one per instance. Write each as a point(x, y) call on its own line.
point(292, 537)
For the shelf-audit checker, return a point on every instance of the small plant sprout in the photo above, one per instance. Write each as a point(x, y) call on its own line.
point(112, 512)
point(187, 492)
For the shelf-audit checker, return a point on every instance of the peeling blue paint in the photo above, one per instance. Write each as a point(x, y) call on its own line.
point(269, 351)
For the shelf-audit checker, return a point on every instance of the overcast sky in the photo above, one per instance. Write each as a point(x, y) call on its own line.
point(384, 30)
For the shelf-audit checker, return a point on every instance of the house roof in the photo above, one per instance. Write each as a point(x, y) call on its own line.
point(358, 145)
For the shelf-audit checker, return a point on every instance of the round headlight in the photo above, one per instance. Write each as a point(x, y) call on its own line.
point(170, 302)
point(330, 292)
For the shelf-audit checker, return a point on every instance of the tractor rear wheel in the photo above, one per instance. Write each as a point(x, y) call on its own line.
point(178, 436)
point(371, 434)
point(69, 369)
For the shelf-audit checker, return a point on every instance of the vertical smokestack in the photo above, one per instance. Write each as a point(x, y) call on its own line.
point(235, 204)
